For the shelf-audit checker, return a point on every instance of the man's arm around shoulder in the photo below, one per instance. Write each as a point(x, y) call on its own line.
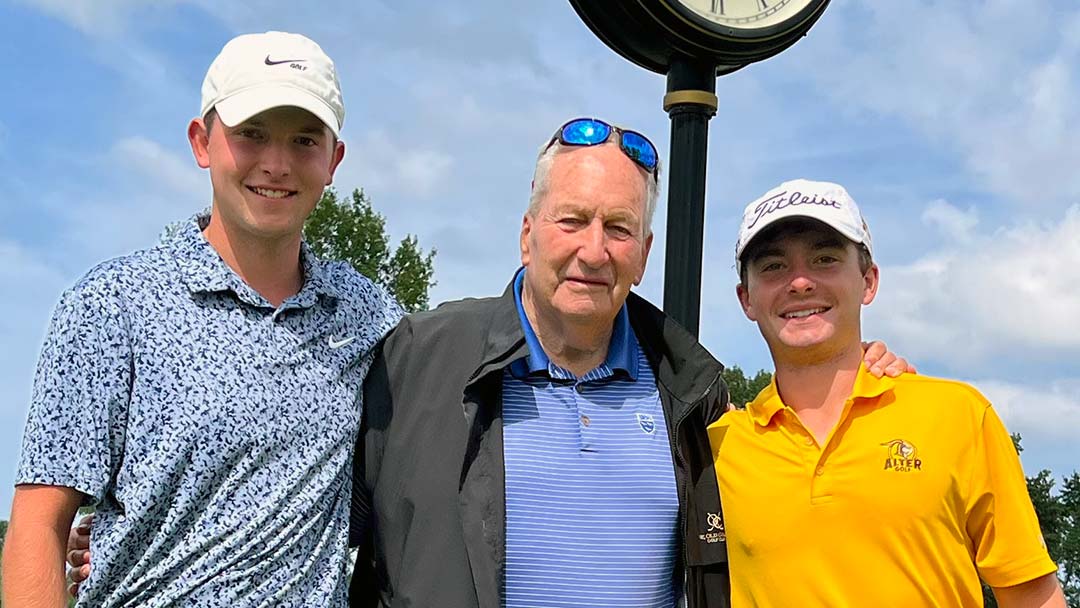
point(33, 569)
point(1043, 592)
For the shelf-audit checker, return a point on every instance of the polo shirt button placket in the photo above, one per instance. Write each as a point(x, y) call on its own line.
point(819, 486)
point(583, 419)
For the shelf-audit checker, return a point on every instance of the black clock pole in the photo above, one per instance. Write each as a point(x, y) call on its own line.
point(690, 102)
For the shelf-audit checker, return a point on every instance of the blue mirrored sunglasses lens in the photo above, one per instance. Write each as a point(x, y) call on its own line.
point(585, 132)
point(639, 149)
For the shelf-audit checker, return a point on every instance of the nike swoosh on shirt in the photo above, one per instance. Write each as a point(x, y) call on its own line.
point(339, 343)
point(270, 62)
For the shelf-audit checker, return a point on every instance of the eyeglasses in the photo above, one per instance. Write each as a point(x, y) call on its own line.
point(592, 132)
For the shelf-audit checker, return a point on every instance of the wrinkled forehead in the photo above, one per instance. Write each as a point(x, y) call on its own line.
point(596, 172)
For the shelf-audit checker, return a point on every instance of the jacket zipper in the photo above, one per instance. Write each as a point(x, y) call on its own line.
point(676, 448)
point(681, 479)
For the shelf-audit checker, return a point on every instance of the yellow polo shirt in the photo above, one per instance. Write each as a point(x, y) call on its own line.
point(916, 493)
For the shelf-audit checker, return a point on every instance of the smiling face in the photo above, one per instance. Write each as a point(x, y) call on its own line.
point(805, 289)
point(585, 244)
point(268, 172)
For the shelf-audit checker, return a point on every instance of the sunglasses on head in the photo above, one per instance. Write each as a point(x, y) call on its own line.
point(592, 132)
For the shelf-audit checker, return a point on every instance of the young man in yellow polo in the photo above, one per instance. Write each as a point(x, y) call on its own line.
point(841, 489)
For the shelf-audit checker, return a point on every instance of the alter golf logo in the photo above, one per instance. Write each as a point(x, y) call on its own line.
point(714, 533)
point(903, 456)
point(647, 423)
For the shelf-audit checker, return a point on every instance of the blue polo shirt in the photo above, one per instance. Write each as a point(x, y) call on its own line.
point(213, 430)
point(591, 504)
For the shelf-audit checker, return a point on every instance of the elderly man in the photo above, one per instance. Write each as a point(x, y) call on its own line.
point(841, 489)
point(548, 447)
point(202, 393)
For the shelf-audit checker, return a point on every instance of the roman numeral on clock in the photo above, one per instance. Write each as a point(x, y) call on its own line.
point(718, 6)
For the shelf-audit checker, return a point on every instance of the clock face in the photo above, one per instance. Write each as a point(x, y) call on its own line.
point(744, 14)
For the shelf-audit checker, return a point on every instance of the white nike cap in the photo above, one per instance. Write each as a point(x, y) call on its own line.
point(257, 72)
point(825, 202)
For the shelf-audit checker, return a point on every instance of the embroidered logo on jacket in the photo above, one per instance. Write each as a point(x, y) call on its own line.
point(714, 532)
point(903, 456)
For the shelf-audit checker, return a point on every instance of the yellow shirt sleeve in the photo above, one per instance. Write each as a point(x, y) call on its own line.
point(1007, 543)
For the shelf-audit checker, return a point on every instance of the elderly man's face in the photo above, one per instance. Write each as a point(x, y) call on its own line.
point(586, 244)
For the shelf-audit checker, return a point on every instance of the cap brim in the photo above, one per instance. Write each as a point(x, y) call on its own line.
point(241, 106)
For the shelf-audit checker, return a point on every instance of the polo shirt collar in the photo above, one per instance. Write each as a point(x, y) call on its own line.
point(203, 270)
point(768, 402)
point(621, 355)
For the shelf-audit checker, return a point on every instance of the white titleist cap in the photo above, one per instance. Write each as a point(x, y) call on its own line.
point(256, 72)
point(825, 202)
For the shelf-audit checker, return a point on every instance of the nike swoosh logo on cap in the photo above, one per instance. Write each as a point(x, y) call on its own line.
point(270, 62)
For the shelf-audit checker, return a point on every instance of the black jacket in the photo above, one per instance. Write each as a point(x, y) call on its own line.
point(429, 507)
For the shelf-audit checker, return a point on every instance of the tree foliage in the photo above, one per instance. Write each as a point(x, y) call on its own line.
point(741, 389)
point(1068, 551)
point(349, 229)
point(1059, 520)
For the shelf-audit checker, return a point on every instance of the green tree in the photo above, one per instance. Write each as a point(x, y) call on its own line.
point(349, 229)
point(1068, 556)
point(1059, 520)
point(741, 389)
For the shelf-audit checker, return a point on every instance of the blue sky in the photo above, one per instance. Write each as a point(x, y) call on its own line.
point(954, 124)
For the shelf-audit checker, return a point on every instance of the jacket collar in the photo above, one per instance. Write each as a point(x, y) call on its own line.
point(505, 339)
point(682, 364)
point(621, 352)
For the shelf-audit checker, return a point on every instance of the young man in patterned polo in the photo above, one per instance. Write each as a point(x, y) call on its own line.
point(841, 489)
point(202, 393)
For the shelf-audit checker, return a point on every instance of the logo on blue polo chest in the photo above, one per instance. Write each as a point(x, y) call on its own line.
point(648, 425)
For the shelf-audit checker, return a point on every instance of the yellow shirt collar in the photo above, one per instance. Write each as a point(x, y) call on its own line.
point(768, 402)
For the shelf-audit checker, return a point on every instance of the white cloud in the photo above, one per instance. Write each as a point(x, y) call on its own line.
point(158, 166)
point(26, 274)
point(98, 18)
point(388, 163)
point(1037, 412)
point(955, 224)
point(1013, 291)
point(996, 84)
point(35, 286)
point(144, 186)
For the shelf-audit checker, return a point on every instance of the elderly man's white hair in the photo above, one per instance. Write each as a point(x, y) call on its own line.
point(543, 167)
